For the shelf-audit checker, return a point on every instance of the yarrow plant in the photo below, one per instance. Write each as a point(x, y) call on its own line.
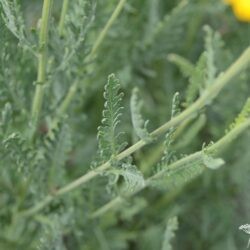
point(113, 120)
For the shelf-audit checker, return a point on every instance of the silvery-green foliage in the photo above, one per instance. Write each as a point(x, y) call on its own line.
point(213, 46)
point(243, 115)
point(197, 78)
point(134, 179)
point(108, 137)
point(169, 234)
point(6, 117)
point(139, 125)
point(58, 146)
point(204, 73)
point(13, 20)
point(174, 20)
point(171, 180)
point(78, 21)
point(168, 153)
point(136, 47)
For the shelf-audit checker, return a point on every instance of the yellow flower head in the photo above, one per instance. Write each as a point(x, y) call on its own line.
point(241, 9)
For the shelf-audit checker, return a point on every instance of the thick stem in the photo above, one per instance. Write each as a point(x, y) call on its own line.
point(206, 98)
point(42, 62)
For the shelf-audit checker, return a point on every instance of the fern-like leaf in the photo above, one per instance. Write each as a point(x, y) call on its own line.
point(6, 117)
point(13, 20)
point(167, 154)
point(243, 116)
point(58, 145)
point(171, 27)
point(196, 80)
point(140, 126)
point(169, 234)
point(213, 45)
point(108, 139)
point(177, 178)
point(204, 72)
point(133, 177)
point(18, 153)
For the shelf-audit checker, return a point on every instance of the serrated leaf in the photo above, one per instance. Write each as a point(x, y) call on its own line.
point(196, 80)
point(58, 149)
point(140, 126)
point(172, 179)
point(168, 153)
point(13, 19)
point(108, 138)
point(155, 44)
point(133, 177)
point(169, 234)
point(243, 115)
point(213, 44)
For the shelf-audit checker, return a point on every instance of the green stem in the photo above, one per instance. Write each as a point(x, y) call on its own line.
point(195, 157)
point(62, 18)
point(64, 105)
point(42, 62)
point(206, 98)
point(70, 95)
point(106, 28)
point(154, 156)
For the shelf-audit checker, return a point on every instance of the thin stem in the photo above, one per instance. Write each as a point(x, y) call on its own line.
point(42, 62)
point(206, 98)
point(64, 105)
point(70, 95)
point(62, 18)
point(198, 156)
point(104, 31)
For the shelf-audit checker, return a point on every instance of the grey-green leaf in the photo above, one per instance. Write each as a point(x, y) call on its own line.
point(172, 226)
point(212, 163)
point(140, 126)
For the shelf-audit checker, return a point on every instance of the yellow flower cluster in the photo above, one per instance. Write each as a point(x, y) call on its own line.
point(241, 9)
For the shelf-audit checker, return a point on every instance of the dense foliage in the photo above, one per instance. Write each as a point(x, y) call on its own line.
point(120, 124)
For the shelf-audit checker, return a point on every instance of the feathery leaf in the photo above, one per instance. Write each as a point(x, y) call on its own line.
point(133, 177)
point(169, 234)
point(108, 139)
point(140, 126)
point(167, 153)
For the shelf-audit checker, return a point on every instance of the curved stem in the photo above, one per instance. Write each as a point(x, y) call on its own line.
point(206, 98)
point(42, 62)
